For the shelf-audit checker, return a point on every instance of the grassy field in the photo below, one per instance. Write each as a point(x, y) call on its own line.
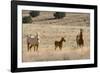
point(51, 29)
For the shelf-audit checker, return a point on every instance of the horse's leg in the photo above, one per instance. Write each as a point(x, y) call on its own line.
point(37, 47)
point(31, 46)
point(55, 47)
point(28, 46)
point(34, 47)
point(82, 42)
point(77, 45)
point(60, 47)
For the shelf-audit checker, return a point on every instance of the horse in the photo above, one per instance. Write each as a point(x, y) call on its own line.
point(59, 43)
point(79, 39)
point(33, 42)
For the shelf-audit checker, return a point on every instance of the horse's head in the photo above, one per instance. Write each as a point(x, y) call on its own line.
point(27, 35)
point(81, 30)
point(63, 39)
point(37, 36)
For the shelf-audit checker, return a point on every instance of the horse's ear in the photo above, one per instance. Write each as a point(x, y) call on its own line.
point(25, 35)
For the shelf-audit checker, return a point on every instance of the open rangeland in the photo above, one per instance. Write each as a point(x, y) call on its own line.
point(51, 30)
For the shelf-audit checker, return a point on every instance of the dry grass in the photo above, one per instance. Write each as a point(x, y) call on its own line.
point(54, 29)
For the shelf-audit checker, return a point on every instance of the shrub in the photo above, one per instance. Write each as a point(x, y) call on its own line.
point(26, 19)
point(59, 15)
point(34, 13)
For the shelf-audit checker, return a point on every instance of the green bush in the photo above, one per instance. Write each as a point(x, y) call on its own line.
point(59, 15)
point(34, 13)
point(27, 19)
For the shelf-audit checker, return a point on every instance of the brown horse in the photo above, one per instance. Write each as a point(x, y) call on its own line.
point(59, 43)
point(79, 39)
point(32, 42)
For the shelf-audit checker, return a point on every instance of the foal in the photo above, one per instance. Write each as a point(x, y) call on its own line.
point(59, 43)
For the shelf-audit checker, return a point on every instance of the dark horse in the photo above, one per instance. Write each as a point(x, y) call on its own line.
point(79, 39)
point(59, 43)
